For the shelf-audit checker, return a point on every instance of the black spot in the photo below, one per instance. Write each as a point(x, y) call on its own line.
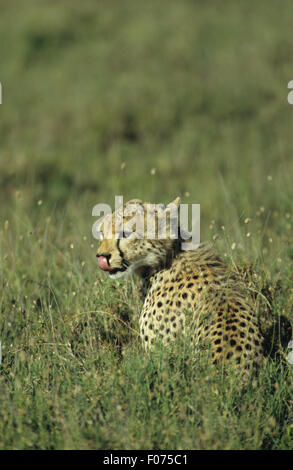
point(230, 354)
point(251, 330)
point(189, 285)
point(159, 304)
point(178, 303)
point(242, 324)
point(146, 338)
point(218, 350)
point(232, 342)
point(238, 348)
point(173, 318)
point(184, 295)
point(217, 341)
point(213, 265)
point(248, 347)
point(195, 277)
point(256, 342)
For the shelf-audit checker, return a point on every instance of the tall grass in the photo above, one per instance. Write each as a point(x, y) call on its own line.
point(148, 100)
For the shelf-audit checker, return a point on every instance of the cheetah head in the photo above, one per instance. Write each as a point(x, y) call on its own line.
point(137, 238)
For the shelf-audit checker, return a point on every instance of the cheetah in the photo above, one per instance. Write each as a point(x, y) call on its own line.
point(185, 291)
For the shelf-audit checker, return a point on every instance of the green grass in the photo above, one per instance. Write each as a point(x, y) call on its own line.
point(95, 96)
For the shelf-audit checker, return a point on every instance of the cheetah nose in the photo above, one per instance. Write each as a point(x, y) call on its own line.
point(103, 262)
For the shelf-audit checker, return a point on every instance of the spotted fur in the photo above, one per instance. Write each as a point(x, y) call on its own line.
point(190, 292)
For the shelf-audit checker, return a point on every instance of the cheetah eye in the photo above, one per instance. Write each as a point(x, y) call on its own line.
point(126, 234)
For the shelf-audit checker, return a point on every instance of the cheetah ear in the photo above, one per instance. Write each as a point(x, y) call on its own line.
point(176, 202)
point(172, 207)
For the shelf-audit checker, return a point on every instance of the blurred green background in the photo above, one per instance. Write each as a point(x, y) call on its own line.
point(196, 90)
point(150, 100)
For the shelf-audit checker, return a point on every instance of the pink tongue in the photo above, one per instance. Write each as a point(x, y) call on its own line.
point(103, 263)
